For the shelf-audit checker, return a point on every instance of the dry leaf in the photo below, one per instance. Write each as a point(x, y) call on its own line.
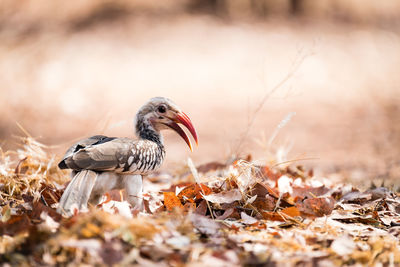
point(308, 191)
point(272, 216)
point(194, 192)
point(316, 207)
point(15, 225)
point(204, 225)
point(291, 211)
point(171, 201)
point(246, 219)
point(224, 197)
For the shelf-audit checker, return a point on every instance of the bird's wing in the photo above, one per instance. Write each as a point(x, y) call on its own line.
point(77, 194)
point(105, 154)
point(82, 144)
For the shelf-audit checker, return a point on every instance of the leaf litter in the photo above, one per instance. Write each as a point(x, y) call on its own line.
point(218, 214)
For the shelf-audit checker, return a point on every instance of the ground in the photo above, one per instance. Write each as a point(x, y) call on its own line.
point(236, 214)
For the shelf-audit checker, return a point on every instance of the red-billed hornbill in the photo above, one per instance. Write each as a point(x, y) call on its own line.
point(102, 163)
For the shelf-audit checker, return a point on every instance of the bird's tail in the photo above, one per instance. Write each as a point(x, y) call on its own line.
point(77, 194)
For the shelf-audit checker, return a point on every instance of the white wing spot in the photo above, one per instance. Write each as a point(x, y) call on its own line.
point(130, 160)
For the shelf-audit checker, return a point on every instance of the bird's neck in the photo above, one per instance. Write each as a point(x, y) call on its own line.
point(146, 131)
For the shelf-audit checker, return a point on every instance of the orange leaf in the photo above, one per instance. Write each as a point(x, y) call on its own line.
point(192, 192)
point(171, 201)
point(291, 211)
point(272, 216)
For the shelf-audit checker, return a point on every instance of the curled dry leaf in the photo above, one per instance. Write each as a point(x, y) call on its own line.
point(224, 197)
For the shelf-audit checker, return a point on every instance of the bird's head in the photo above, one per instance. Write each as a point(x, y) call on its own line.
point(161, 113)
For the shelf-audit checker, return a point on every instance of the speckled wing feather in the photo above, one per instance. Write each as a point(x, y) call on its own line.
point(77, 194)
point(79, 145)
point(121, 155)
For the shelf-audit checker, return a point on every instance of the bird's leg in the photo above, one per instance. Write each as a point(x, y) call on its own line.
point(134, 188)
point(106, 181)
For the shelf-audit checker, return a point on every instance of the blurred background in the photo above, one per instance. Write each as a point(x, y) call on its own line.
point(314, 81)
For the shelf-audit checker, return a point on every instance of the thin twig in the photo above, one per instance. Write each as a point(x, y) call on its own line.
point(295, 66)
point(290, 161)
point(197, 180)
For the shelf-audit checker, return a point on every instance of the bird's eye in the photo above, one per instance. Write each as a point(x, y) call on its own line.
point(161, 109)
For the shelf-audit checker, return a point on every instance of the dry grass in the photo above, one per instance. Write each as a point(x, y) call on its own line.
point(28, 171)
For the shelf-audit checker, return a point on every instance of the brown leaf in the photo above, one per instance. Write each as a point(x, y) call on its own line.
point(226, 214)
point(267, 203)
point(171, 201)
point(316, 207)
point(201, 208)
point(357, 197)
point(272, 216)
point(38, 208)
point(16, 224)
point(263, 189)
point(308, 191)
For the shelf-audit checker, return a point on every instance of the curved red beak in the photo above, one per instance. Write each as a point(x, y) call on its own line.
point(183, 119)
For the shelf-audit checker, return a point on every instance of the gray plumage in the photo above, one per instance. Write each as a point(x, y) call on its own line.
point(78, 192)
point(120, 155)
point(102, 163)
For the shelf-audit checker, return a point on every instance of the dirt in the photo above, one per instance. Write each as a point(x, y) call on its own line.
point(62, 85)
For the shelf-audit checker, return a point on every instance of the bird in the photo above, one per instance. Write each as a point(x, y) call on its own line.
point(100, 163)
